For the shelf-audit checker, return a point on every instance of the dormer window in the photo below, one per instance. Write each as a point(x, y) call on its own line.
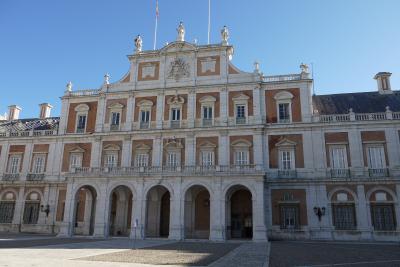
point(240, 103)
point(207, 110)
point(145, 107)
point(81, 118)
point(284, 106)
point(175, 103)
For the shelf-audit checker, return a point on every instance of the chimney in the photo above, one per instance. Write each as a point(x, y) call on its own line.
point(13, 112)
point(383, 80)
point(45, 109)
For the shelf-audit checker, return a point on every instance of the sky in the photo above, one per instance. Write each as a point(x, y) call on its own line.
point(46, 43)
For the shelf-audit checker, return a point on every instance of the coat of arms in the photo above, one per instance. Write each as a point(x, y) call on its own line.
point(178, 69)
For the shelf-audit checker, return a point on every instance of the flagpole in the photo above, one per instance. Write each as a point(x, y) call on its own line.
point(209, 21)
point(155, 28)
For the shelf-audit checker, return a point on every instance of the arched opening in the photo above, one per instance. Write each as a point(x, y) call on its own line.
point(197, 212)
point(120, 211)
point(31, 208)
point(239, 213)
point(84, 211)
point(7, 206)
point(158, 212)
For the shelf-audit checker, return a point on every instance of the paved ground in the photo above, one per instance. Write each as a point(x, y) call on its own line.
point(49, 251)
point(349, 254)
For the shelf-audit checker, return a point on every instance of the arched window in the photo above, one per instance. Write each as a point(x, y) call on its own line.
point(32, 208)
point(7, 206)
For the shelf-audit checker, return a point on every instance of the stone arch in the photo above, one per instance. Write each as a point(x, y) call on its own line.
point(32, 200)
point(7, 205)
point(197, 212)
point(9, 190)
point(158, 199)
point(381, 188)
point(85, 199)
point(120, 210)
point(332, 193)
point(239, 211)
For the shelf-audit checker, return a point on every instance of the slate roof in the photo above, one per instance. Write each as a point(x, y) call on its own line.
point(365, 102)
point(29, 124)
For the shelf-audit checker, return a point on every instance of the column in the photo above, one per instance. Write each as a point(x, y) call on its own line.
point(190, 150)
point(259, 229)
point(102, 211)
point(157, 151)
point(318, 152)
point(160, 110)
point(266, 150)
point(126, 154)
point(4, 158)
point(100, 116)
point(223, 149)
point(393, 148)
point(364, 224)
point(18, 210)
point(223, 110)
point(130, 109)
point(258, 144)
point(176, 215)
point(66, 227)
point(26, 161)
point(217, 212)
point(138, 213)
point(191, 108)
point(356, 152)
point(257, 105)
point(95, 160)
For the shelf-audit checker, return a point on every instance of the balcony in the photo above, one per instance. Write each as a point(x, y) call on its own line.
point(207, 122)
point(339, 173)
point(80, 130)
point(240, 120)
point(10, 176)
point(29, 133)
point(381, 172)
point(35, 177)
point(287, 174)
point(166, 170)
point(144, 125)
point(175, 124)
point(114, 127)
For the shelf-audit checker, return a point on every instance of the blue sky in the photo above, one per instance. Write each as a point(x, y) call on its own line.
point(46, 43)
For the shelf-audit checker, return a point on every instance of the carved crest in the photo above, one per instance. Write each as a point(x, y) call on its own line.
point(178, 69)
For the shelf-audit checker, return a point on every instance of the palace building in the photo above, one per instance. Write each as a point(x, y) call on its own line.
point(187, 146)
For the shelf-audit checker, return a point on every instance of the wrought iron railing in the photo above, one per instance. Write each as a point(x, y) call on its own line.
point(35, 177)
point(10, 176)
point(378, 172)
point(339, 173)
point(287, 174)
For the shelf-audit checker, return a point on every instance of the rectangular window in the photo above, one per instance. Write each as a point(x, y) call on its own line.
point(344, 216)
point(207, 158)
point(241, 158)
point(240, 111)
point(144, 116)
point(289, 216)
point(14, 165)
point(338, 157)
point(175, 114)
point(172, 159)
point(286, 159)
point(142, 160)
point(81, 124)
point(207, 113)
point(110, 160)
point(38, 163)
point(383, 217)
point(376, 157)
point(6, 211)
point(284, 112)
point(115, 118)
point(76, 161)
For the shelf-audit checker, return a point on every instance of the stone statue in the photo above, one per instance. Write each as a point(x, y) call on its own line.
point(181, 32)
point(304, 68)
point(256, 67)
point(224, 35)
point(138, 44)
point(68, 88)
point(106, 78)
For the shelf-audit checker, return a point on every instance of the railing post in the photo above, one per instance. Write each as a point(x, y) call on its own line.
point(352, 115)
point(389, 113)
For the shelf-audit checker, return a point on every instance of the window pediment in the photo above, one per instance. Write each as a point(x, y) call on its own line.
point(207, 99)
point(284, 95)
point(145, 103)
point(241, 144)
point(172, 144)
point(111, 148)
point(143, 148)
point(286, 143)
point(240, 97)
point(82, 108)
point(77, 150)
point(207, 145)
point(176, 100)
point(116, 106)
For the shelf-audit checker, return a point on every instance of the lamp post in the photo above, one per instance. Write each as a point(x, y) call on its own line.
point(319, 211)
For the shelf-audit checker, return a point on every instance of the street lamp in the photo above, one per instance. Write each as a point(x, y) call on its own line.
point(319, 212)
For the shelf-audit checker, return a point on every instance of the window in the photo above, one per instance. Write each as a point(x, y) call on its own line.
point(344, 216)
point(240, 114)
point(338, 157)
point(110, 160)
point(383, 217)
point(14, 164)
point(31, 212)
point(207, 158)
point(81, 126)
point(289, 216)
point(175, 114)
point(241, 157)
point(7, 211)
point(142, 160)
point(207, 115)
point(376, 157)
point(76, 160)
point(284, 112)
point(144, 118)
point(38, 163)
point(115, 118)
point(286, 159)
point(172, 159)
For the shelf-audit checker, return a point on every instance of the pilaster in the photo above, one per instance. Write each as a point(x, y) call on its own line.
point(223, 114)
point(257, 104)
point(223, 149)
point(95, 159)
point(130, 109)
point(362, 214)
point(126, 154)
point(190, 150)
point(26, 161)
point(160, 110)
point(100, 116)
point(191, 108)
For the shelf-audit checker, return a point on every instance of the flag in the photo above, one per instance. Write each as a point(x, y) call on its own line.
point(157, 8)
